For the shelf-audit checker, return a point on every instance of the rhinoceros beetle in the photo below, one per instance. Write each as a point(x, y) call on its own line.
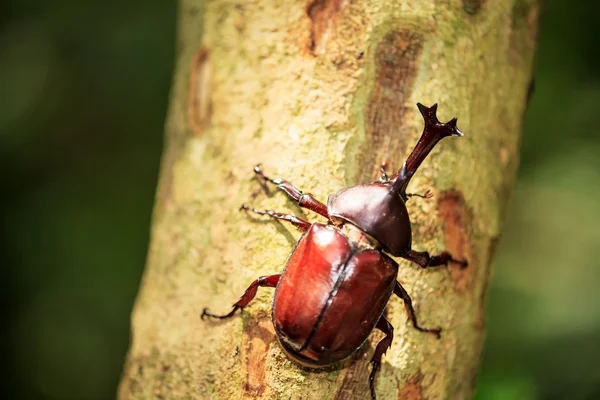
point(337, 282)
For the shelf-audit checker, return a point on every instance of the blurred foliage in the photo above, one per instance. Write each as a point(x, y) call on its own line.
point(544, 306)
point(84, 93)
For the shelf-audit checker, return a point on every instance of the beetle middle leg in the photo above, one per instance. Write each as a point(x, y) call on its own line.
point(383, 325)
point(297, 222)
point(403, 294)
point(425, 260)
point(247, 297)
point(305, 200)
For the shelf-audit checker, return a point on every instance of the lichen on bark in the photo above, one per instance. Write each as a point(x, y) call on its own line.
point(322, 105)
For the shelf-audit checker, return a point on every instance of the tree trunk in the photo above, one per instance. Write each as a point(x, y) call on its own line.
point(320, 94)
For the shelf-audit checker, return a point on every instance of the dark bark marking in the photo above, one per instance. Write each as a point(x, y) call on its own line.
point(520, 13)
point(480, 322)
point(472, 7)
point(199, 107)
point(530, 93)
point(160, 386)
point(199, 98)
point(323, 15)
point(453, 211)
point(413, 389)
point(523, 30)
point(134, 385)
point(356, 379)
point(148, 376)
point(258, 338)
point(396, 67)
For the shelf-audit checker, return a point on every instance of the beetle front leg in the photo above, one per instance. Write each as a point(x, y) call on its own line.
point(247, 297)
point(403, 294)
point(426, 195)
point(307, 200)
point(425, 260)
point(383, 325)
point(297, 222)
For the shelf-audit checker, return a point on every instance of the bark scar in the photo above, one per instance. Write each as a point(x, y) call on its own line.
point(413, 389)
point(199, 98)
point(322, 14)
point(258, 338)
point(453, 211)
point(396, 67)
point(356, 376)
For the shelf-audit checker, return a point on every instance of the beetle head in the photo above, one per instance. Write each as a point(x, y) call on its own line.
point(376, 210)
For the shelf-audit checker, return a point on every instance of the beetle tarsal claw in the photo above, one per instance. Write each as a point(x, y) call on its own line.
point(375, 367)
point(206, 313)
point(437, 332)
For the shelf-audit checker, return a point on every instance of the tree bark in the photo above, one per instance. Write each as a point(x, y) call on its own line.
point(321, 93)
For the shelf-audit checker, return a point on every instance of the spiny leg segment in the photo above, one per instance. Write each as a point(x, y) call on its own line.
point(383, 325)
point(305, 200)
point(247, 297)
point(425, 260)
point(403, 294)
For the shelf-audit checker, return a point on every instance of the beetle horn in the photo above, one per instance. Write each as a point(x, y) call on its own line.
point(433, 132)
point(429, 113)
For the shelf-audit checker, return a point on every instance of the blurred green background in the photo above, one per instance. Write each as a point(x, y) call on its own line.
point(84, 89)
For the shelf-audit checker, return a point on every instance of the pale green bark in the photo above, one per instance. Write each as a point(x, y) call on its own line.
point(319, 95)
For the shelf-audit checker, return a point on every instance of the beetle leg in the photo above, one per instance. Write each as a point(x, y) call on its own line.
point(307, 200)
point(425, 260)
point(403, 294)
point(426, 195)
point(384, 176)
point(247, 297)
point(297, 222)
point(383, 325)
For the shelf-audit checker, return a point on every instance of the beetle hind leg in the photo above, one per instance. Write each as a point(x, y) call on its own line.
point(403, 294)
point(383, 325)
point(305, 200)
point(247, 297)
point(425, 260)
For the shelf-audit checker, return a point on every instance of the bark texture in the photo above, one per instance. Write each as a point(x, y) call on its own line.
point(320, 93)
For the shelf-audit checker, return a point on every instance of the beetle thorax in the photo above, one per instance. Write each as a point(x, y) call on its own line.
point(359, 238)
point(378, 211)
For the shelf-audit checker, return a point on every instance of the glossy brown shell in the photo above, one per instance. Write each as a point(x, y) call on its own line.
point(330, 296)
point(378, 211)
